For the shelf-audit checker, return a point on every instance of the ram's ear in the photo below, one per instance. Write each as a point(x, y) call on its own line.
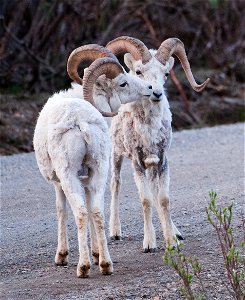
point(170, 63)
point(101, 81)
point(128, 60)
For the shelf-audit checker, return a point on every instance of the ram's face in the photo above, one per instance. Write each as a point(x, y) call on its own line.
point(124, 88)
point(153, 71)
point(130, 88)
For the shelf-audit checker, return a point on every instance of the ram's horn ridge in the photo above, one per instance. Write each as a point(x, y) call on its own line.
point(107, 66)
point(175, 46)
point(85, 53)
point(134, 46)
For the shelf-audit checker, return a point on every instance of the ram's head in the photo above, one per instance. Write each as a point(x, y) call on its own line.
point(154, 65)
point(107, 75)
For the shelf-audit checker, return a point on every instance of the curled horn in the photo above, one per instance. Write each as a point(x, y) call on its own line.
point(85, 53)
point(175, 46)
point(108, 66)
point(134, 46)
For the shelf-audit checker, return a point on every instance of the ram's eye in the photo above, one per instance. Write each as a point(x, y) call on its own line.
point(138, 72)
point(166, 74)
point(123, 84)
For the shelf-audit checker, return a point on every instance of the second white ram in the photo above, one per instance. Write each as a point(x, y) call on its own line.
point(72, 148)
point(142, 132)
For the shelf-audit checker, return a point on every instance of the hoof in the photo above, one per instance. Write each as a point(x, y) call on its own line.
point(116, 238)
point(106, 268)
point(149, 250)
point(180, 237)
point(95, 258)
point(83, 271)
point(61, 258)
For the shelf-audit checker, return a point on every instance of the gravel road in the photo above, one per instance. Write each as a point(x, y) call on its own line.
point(200, 160)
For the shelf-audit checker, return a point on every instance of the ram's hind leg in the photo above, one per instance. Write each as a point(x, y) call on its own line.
point(76, 196)
point(115, 225)
point(61, 257)
point(66, 156)
point(178, 234)
point(149, 243)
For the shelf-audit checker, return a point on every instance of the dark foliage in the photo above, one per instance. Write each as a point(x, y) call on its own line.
point(37, 36)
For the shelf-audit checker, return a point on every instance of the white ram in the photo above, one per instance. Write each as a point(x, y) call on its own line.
point(142, 132)
point(71, 139)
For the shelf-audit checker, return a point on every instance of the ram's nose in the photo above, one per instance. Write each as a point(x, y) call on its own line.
point(157, 95)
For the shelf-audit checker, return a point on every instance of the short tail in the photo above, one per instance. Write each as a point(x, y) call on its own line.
point(85, 130)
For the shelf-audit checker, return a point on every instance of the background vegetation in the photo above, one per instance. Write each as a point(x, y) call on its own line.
point(37, 36)
point(191, 271)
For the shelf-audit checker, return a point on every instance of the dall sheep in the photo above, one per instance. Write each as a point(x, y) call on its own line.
point(142, 132)
point(71, 139)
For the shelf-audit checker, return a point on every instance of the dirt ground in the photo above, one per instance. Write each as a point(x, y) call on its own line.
point(200, 160)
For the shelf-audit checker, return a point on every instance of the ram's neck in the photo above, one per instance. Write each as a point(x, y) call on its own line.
point(148, 110)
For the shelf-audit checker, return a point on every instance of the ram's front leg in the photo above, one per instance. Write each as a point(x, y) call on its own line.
point(170, 231)
point(93, 235)
point(105, 262)
point(115, 225)
point(97, 189)
point(149, 243)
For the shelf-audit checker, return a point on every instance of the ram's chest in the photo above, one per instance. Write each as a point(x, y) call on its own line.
point(147, 138)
